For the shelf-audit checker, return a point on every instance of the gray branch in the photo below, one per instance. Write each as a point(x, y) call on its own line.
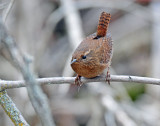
point(8, 9)
point(36, 95)
point(4, 84)
point(11, 110)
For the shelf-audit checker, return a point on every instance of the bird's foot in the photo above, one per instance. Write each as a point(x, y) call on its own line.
point(78, 82)
point(108, 77)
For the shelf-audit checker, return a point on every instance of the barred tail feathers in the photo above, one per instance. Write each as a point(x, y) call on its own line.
point(103, 24)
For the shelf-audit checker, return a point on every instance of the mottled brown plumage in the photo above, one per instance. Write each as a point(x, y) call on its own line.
point(94, 53)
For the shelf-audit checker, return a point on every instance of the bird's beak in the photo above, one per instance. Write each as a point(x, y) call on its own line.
point(73, 61)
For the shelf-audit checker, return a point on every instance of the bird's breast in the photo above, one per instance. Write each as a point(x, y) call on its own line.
point(88, 71)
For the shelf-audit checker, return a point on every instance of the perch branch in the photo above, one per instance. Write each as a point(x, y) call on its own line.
point(4, 84)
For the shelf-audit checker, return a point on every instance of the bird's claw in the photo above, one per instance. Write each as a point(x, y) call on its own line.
point(78, 82)
point(108, 77)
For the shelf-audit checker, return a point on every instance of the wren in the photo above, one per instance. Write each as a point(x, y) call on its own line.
point(94, 53)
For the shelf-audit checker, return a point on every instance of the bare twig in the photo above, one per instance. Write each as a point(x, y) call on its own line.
point(4, 84)
point(11, 110)
point(111, 105)
point(73, 22)
point(37, 97)
point(8, 10)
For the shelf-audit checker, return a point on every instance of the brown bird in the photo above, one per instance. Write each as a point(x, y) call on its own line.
point(94, 53)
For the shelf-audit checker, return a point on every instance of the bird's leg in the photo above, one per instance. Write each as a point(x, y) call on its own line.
point(108, 77)
point(78, 80)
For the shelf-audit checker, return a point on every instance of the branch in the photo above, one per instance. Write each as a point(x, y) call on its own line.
point(11, 110)
point(8, 10)
point(36, 95)
point(4, 84)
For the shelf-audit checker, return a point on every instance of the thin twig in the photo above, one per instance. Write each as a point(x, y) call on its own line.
point(4, 84)
point(8, 10)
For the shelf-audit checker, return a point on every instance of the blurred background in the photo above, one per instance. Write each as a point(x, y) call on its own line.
point(48, 31)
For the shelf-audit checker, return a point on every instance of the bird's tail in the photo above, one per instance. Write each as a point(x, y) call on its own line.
point(103, 24)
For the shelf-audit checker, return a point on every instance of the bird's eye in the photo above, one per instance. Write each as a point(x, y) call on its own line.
point(83, 57)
